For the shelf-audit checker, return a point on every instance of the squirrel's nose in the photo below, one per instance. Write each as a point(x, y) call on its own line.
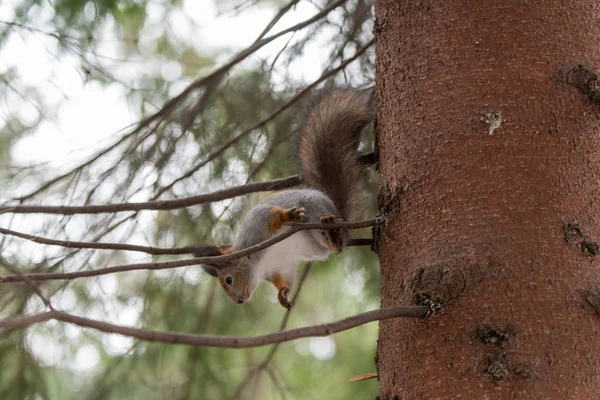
point(240, 301)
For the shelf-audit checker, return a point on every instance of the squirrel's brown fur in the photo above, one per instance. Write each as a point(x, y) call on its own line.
point(327, 149)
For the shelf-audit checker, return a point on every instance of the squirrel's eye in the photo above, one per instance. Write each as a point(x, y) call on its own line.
point(323, 233)
point(228, 280)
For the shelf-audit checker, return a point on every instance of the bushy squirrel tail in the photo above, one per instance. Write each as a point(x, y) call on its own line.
point(327, 148)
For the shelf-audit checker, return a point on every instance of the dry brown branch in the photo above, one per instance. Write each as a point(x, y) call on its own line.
point(196, 251)
point(194, 261)
point(369, 375)
point(233, 342)
point(23, 321)
point(218, 195)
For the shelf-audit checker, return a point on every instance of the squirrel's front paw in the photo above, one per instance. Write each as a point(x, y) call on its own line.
point(295, 214)
point(282, 297)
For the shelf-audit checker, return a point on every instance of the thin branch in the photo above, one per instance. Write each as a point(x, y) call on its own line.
point(201, 104)
point(23, 321)
point(216, 260)
point(90, 161)
point(369, 375)
point(263, 122)
point(218, 195)
point(28, 281)
point(232, 342)
point(276, 19)
point(280, 52)
point(197, 251)
point(97, 237)
point(276, 383)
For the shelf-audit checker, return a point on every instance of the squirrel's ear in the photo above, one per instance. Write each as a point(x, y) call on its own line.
point(225, 264)
point(211, 270)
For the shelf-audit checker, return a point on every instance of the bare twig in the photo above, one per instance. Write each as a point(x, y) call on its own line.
point(278, 386)
point(194, 261)
point(233, 342)
point(369, 375)
point(190, 116)
point(90, 161)
point(276, 19)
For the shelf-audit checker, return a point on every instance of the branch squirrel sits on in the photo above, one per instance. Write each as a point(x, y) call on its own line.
point(328, 160)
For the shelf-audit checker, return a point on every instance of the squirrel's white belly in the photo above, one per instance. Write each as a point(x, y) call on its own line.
point(282, 255)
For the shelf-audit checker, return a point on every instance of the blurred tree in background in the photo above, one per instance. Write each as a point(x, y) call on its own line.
point(127, 101)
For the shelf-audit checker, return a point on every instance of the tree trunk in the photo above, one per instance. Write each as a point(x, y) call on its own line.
point(489, 162)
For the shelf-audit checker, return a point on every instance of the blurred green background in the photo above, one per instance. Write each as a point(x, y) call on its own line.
point(74, 78)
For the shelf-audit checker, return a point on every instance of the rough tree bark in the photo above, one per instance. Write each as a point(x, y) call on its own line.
point(489, 147)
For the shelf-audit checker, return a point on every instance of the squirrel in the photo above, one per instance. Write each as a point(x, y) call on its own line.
point(328, 163)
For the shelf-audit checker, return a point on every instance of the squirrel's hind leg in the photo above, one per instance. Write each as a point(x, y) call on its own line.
point(333, 238)
point(283, 283)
